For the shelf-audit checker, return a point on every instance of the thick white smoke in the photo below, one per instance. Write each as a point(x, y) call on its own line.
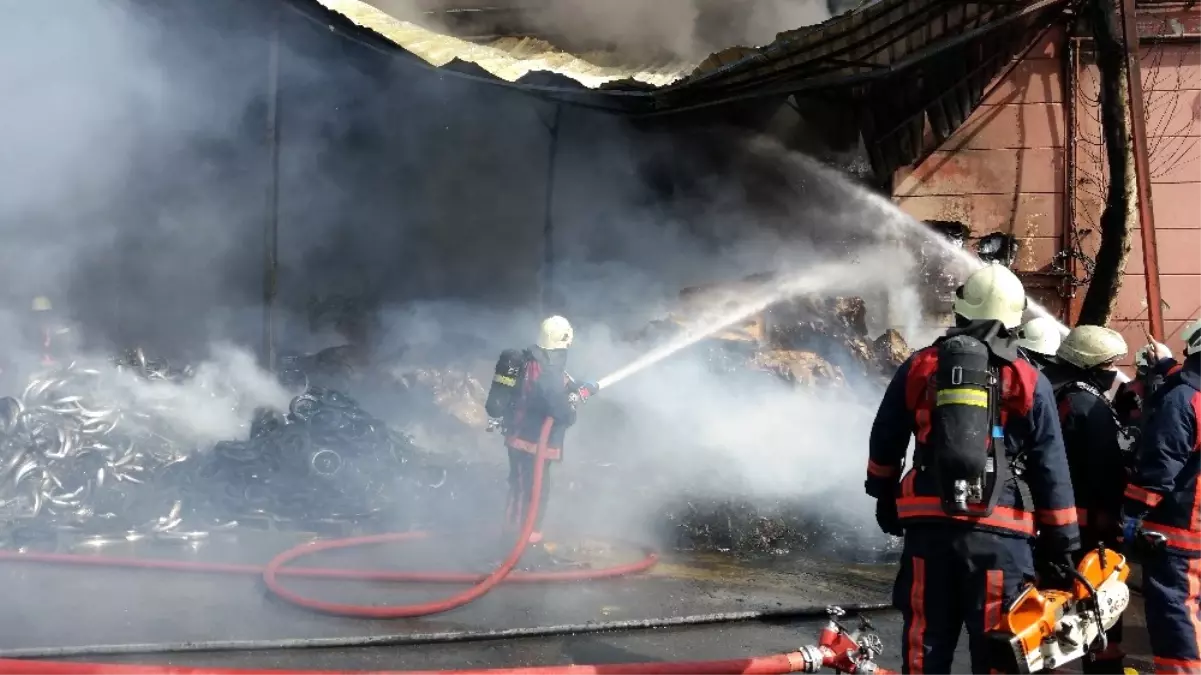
point(133, 193)
point(685, 29)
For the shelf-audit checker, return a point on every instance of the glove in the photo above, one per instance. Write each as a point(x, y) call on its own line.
point(887, 518)
point(1140, 543)
point(1152, 353)
point(1055, 570)
point(583, 393)
point(1130, 529)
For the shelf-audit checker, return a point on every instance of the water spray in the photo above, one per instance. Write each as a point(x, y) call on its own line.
point(900, 222)
point(821, 277)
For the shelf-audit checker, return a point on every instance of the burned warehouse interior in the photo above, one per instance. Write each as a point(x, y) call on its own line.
point(260, 259)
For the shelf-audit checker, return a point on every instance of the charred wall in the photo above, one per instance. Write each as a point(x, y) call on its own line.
point(1003, 170)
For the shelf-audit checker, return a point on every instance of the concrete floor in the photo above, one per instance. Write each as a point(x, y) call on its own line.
point(54, 606)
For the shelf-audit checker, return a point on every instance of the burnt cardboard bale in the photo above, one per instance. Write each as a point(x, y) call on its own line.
point(801, 367)
point(891, 350)
point(457, 392)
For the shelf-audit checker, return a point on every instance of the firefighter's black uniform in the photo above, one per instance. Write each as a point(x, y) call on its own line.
point(959, 569)
point(1098, 464)
point(541, 393)
point(1133, 397)
point(1165, 495)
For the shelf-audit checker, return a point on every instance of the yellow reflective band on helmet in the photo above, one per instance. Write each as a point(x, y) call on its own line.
point(507, 381)
point(963, 397)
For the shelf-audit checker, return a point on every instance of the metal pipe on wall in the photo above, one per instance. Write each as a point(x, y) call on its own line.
point(1069, 239)
point(1142, 168)
point(271, 222)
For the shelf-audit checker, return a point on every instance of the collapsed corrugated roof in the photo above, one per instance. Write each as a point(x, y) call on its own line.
point(908, 65)
point(512, 57)
point(881, 37)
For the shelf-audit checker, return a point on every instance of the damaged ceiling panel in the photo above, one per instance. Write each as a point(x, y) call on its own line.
point(912, 69)
point(508, 58)
point(877, 39)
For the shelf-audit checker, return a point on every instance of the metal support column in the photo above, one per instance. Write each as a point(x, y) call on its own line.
point(1070, 240)
point(271, 222)
point(1142, 167)
point(548, 223)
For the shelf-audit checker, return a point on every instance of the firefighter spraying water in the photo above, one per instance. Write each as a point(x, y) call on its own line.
point(529, 388)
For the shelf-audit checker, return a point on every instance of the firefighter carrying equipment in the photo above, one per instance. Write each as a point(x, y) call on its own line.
point(555, 333)
point(1040, 335)
point(991, 293)
point(1035, 495)
point(965, 452)
point(1090, 346)
point(502, 395)
point(1045, 629)
point(542, 392)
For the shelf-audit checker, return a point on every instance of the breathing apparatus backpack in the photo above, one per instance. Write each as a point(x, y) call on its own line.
point(965, 451)
point(503, 394)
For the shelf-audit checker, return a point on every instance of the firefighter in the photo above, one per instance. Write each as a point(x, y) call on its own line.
point(1153, 364)
point(1162, 501)
point(530, 386)
point(1091, 433)
point(967, 509)
point(1039, 339)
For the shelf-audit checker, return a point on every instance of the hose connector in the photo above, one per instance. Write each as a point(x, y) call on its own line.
point(808, 659)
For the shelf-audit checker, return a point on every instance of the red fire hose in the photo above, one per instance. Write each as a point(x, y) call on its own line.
point(767, 665)
point(275, 569)
point(764, 665)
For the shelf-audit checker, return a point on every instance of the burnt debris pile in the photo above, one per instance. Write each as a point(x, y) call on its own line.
point(102, 451)
point(778, 529)
point(803, 340)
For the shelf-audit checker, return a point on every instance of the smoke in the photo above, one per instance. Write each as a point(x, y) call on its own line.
point(687, 30)
point(133, 194)
point(217, 402)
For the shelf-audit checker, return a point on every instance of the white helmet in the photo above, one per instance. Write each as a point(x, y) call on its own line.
point(1090, 346)
point(991, 293)
point(555, 333)
point(1040, 335)
point(1192, 338)
point(41, 304)
point(1150, 353)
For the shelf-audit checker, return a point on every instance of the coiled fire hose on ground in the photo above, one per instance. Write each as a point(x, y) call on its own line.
point(275, 569)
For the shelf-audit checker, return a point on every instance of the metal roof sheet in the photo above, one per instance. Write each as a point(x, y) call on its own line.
point(885, 34)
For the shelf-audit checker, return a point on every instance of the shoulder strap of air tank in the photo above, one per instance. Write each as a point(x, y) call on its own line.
point(1016, 465)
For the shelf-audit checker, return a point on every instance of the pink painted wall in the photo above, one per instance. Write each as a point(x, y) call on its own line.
point(1171, 77)
point(1003, 170)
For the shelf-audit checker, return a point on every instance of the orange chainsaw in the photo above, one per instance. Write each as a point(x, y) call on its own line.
point(1044, 629)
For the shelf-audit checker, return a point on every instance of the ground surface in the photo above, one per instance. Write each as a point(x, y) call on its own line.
point(53, 606)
